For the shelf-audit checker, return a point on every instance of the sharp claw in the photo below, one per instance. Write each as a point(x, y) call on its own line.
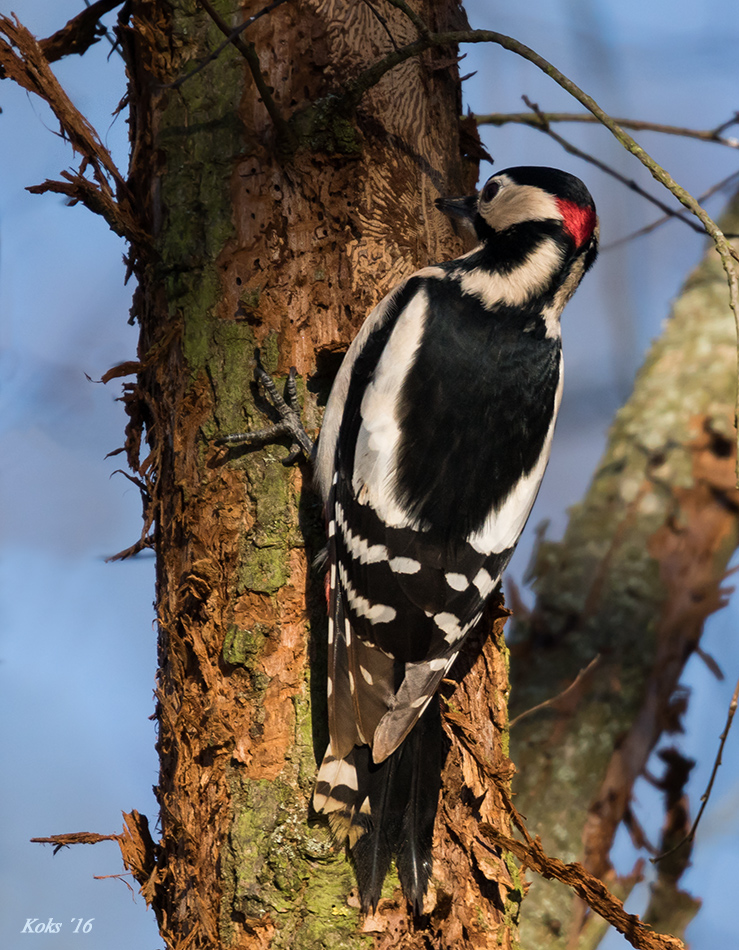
point(289, 412)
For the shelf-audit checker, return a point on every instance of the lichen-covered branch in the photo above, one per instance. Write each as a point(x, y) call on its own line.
point(639, 569)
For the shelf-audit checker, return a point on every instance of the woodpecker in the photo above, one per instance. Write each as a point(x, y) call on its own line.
point(433, 446)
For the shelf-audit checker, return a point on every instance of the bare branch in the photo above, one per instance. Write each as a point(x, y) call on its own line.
point(588, 887)
point(382, 21)
point(24, 61)
point(628, 182)
point(719, 186)
point(415, 19)
point(567, 692)
point(541, 119)
point(249, 53)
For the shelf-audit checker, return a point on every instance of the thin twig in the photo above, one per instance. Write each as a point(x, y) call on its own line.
point(554, 700)
point(231, 37)
point(80, 33)
point(538, 121)
point(249, 53)
point(381, 19)
point(709, 788)
point(628, 182)
point(415, 19)
point(647, 229)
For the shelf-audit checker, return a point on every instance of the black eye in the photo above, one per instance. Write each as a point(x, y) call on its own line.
point(490, 190)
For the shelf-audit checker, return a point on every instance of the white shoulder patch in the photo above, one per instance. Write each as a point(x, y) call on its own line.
point(379, 434)
point(324, 464)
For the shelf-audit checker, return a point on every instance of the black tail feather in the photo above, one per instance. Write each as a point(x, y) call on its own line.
point(413, 858)
point(403, 794)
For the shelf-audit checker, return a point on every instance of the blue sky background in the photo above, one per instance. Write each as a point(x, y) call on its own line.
point(77, 642)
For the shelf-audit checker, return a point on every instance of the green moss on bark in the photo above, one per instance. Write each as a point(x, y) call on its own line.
point(275, 863)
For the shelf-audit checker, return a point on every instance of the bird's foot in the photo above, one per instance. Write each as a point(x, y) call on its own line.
point(290, 423)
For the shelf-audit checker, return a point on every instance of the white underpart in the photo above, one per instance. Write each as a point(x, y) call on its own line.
point(324, 465)
point(359, 548)
point(517, 286)
point(375, 613)
point(504, 525)
point(375, 460)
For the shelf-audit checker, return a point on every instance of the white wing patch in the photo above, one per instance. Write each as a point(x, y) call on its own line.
point(405, 565)
point(457, 581)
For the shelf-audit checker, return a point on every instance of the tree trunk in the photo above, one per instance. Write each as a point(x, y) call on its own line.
point(279, 233)
point(640, 568)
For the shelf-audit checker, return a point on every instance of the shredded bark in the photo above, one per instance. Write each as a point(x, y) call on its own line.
point(80, 33)
point(106, 192)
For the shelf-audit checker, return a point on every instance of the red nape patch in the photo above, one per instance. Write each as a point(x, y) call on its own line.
point(579, 222)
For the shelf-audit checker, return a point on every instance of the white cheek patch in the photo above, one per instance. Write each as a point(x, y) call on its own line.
point(515, 203)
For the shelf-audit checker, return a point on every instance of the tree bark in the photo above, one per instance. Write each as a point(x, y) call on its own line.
point(279, 232)
point(639, 569)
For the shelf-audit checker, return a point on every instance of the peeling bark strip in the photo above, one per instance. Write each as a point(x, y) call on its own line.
point(24, 61)
point(640, 569)
point(589, 888)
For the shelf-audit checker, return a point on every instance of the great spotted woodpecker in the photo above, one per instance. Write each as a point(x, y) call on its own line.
point(433, 445)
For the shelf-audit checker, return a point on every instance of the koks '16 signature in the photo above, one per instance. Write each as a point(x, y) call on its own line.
point(35, 926)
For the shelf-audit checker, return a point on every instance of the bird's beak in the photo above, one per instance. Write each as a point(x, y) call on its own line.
point(463, 208)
